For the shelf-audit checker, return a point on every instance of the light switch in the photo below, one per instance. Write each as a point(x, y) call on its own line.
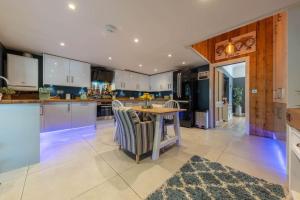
point(254, 91)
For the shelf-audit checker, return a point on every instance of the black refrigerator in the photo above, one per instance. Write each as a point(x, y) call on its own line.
point(183, 92)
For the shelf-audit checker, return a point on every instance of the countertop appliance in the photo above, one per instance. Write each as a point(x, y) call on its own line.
point(183, 92)
point(101, 74)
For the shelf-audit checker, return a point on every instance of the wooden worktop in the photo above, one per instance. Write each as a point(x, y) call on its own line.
point(157, 110)
point(33, 101)
point(129, 100)
point(29, 101)
point(293, 117)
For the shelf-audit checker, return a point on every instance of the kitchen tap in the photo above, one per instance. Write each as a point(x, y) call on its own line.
point(6, 80)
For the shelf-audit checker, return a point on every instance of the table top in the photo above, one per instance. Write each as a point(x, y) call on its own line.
point(157, 110)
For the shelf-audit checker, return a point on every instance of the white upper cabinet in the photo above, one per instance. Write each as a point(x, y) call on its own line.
point(80, 74)
point(56, 71)
point(144, 83)
point(119, 80)
point(22, 73)
point(154, 83)
point(125, 80)
point(161, 82)
point(66, 72)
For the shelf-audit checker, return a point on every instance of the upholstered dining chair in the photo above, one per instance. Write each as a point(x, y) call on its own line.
point(135, 136)
point(169, 119)
point(116, 104)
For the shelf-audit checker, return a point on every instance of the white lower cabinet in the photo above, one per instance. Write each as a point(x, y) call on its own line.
point(57, 116)
point(60, 116)
point(83, 114)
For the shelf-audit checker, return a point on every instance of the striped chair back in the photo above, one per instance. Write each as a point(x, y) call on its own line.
point(127, 120)
point(171, 104)
point(116, 104)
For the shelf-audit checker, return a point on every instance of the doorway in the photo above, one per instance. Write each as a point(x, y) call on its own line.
point(230, 95)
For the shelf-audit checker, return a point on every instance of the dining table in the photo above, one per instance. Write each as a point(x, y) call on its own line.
point(160, 113)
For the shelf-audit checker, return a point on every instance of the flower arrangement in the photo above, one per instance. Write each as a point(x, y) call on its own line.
point(147, 98)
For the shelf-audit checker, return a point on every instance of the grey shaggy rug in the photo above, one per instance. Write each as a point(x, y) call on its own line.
point(201, 179)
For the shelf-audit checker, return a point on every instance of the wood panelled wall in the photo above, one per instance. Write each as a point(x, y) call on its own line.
point(260, 69)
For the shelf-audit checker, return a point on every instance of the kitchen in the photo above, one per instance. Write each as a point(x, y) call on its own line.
point(70, 94)
point(129, 93)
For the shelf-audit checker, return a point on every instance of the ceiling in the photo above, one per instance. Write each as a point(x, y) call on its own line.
point(162, 26)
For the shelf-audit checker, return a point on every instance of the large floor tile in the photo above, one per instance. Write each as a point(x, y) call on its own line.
point(118, 160)
point(68, 180)
point(13, 174)
point(112, 189)
point(262, 150)
point(146, 178)
point(256, 169)
point(101, 147)
point(12, 190)
point(52, 156)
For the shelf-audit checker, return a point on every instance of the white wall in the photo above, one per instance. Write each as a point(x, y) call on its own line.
point(294, 56)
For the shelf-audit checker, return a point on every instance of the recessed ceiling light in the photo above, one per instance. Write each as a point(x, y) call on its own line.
point(109, 58)
point(169, 55)
point(155, 70)
point(72, 6)
point(140, 65)
point(62, 44)
point(136, 40)
point(183, 63)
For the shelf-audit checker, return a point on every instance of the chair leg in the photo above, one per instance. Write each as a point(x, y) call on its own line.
point(137, 159)
point(119, 147)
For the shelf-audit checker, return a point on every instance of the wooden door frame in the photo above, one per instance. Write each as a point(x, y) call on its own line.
point(212, 68)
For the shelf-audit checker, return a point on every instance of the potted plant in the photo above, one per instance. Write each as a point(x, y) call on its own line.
point(44, 93)
point(237, 100)
point(7, 93)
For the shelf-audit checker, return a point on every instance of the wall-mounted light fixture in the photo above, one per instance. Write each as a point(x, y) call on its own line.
point(230, 48)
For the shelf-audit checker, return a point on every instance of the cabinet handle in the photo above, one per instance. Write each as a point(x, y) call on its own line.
point(72, 78)
point(67, 79)
point(42, 111)
point(69, 107)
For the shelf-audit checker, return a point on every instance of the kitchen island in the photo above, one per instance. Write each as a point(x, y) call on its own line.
point(22, 121)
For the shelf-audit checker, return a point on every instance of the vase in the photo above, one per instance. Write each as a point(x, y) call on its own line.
point(238, 110)
point(147, 105)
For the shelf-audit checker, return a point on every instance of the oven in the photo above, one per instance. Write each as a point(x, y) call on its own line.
point(104, 110)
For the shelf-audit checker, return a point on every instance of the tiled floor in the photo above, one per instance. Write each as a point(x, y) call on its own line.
point(86, 164)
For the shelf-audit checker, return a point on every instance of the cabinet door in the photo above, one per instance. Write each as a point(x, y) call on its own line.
point(170, 78)
point(83, 114)
point(57, 116)
point(80, 74)
point(118, 80)
point(154, 83)
point(22, 72)
point(130, 81)
point(167, 81)
point(56, 71)
point(144, 83)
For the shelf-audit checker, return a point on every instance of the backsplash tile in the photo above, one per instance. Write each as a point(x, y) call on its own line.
point(74, 91)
